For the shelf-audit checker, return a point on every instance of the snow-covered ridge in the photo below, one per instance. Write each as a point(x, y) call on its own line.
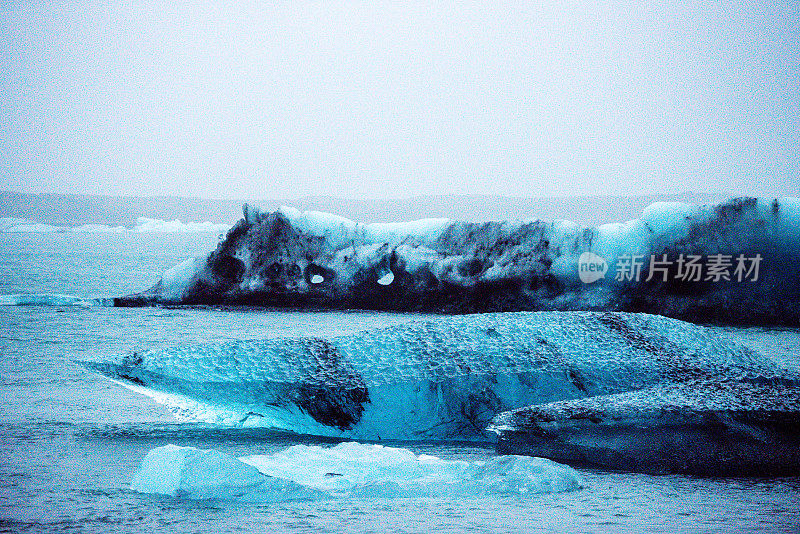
point(348, 470)
point(143, 225)
point(748, 250)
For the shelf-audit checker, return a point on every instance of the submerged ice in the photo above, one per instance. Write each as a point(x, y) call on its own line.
point(289, 258)
point(444, 379)
point(346, 470)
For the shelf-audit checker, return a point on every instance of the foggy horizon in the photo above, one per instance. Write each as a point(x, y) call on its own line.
point(399, 197)
point(385, 100)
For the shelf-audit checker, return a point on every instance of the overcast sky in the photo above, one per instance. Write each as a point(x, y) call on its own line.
point(394, 99)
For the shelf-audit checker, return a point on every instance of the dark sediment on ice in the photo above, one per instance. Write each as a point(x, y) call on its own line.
point(699, 428)
point(288, 259)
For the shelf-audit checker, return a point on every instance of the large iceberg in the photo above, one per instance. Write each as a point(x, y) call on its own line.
point(348, 470)
point(444, 379)
point(737, 261)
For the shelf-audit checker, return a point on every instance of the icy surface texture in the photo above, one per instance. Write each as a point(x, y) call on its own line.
point(432, 380)
point(344, 471)
point(289, 258)
point(186, 472)
point(698, 427)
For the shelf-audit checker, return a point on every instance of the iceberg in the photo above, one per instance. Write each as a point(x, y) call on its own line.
point(443, 379)
point(749, 249)
point(698, 428)
point(347, 470)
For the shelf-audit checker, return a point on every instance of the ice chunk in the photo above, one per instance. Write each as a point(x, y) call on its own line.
point(378, 471)
point(450, 266)
point(344, 471)
point(51, 299)
point(433, 380)
point(186, 472)
point(698, 427)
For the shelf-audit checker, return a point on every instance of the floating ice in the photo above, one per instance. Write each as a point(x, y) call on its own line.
point(186, 472)
point(433, 380)
point(699, 427)
point(50, 299)
point(143, 225)
point(309, 258)
point(175, 280)
point(346, 470)
point(14, 225)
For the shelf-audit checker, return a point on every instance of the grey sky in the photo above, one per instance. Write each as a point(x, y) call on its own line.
point(392, 99)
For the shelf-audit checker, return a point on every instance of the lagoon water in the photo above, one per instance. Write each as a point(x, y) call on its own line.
point(70, 440)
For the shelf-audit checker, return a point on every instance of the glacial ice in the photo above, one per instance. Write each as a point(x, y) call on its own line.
point(699, 427)
point(175, 279)
point(15, 225)
point(293, 258)
point(347, 470)
point(143, 225)
point(444, 379)
point(51, 299)
point(186, 472)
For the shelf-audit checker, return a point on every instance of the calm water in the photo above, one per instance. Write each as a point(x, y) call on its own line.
point(70, 441)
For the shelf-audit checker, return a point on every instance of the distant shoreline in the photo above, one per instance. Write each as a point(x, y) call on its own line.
point(78, 210)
